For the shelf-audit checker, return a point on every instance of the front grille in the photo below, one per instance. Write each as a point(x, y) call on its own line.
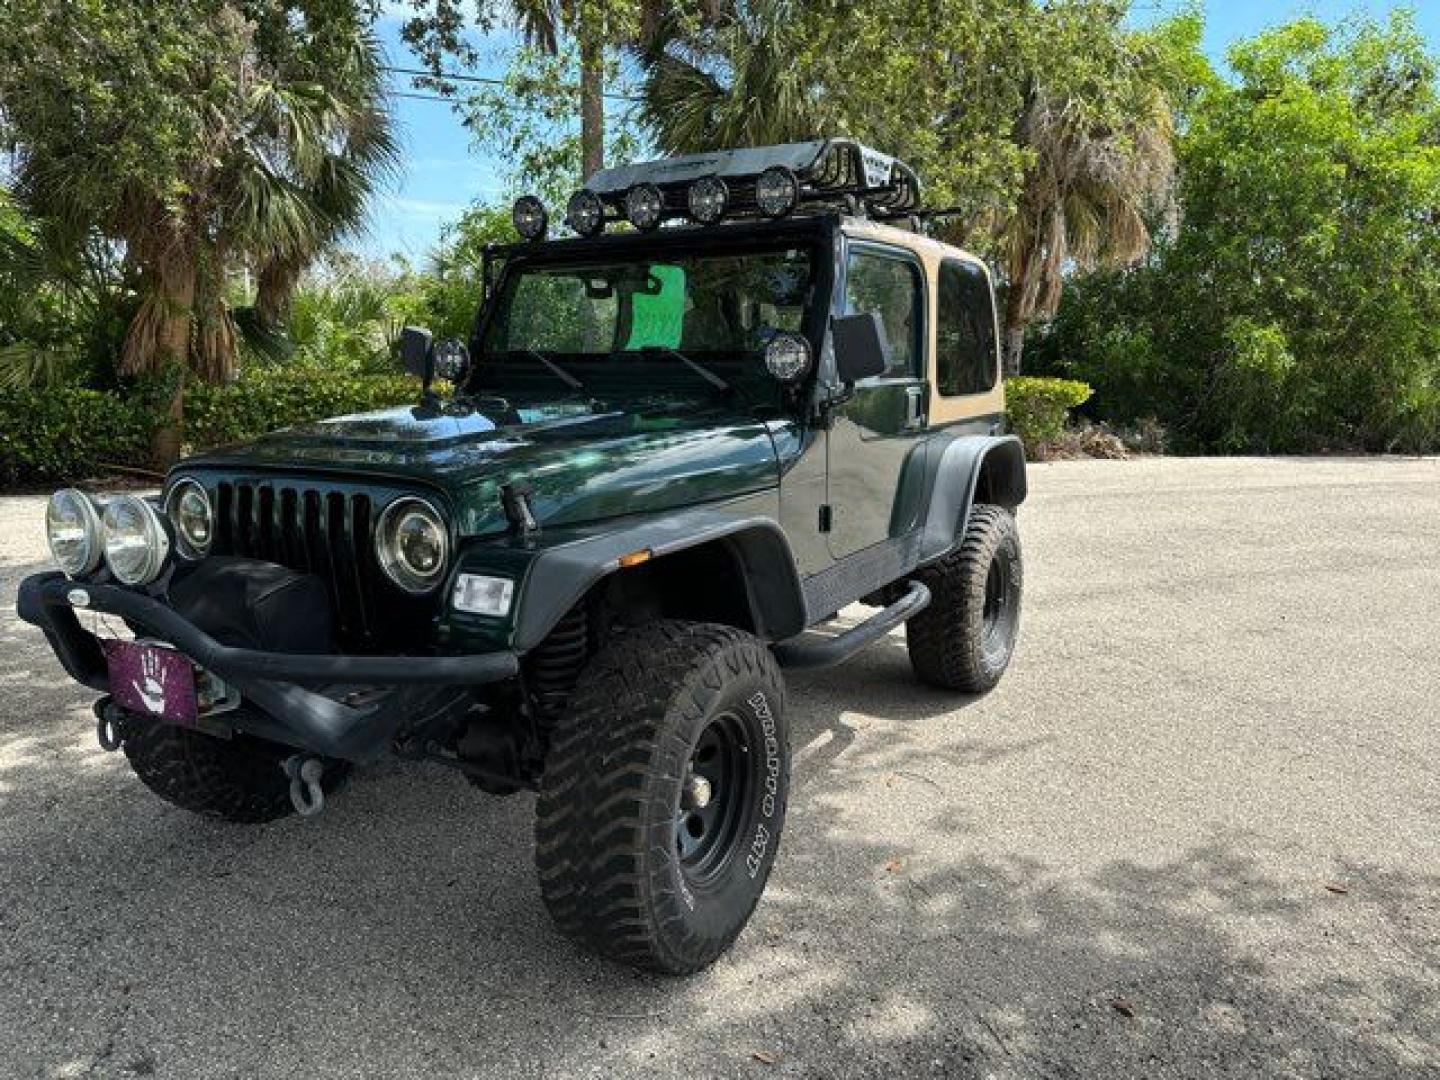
point(315, 530)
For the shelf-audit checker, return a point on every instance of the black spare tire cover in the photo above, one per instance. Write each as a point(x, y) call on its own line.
point(256, 605)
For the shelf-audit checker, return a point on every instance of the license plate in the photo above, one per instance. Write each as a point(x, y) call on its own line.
point(151, 679)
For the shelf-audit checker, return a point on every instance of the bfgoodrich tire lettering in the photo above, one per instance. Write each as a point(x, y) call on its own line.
point(624, 867)
point(965, 638)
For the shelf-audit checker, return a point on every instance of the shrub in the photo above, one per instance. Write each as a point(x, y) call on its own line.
point(266, 398)
point(68, 433)
point(1039, 408)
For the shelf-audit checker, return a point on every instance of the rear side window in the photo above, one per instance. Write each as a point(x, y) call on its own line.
point(889, 287)
point(965, 337)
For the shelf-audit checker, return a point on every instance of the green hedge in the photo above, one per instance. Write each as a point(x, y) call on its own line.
point(70, 433)
point(267, 398)
point(67, 433)
point(1039, 408)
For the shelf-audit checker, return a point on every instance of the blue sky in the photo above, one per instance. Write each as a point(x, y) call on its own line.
point(444, 173)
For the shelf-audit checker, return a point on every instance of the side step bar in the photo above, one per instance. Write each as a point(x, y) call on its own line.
point(812, 651)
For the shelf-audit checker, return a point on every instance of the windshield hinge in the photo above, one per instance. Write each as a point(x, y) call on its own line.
point(516, 500)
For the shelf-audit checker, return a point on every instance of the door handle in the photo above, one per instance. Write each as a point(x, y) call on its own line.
point(914, 406)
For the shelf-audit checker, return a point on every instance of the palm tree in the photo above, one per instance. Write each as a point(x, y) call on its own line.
point(732, 81)
point(1083, 203)
point(293, 168)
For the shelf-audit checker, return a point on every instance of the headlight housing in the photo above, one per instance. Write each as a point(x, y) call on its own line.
point(190, 512)
point(412, 544)
point(585, 213)
point(708, 198)
point(787, 357)
point(136, 542)
point(644, 206)
point(777, 191)
point(529, 217)
point(72, 528)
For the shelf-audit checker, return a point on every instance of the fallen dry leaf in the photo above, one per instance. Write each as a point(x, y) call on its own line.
point(1123, 1007)
point(1338, 890)
point(894, 866)
point(765, 1057)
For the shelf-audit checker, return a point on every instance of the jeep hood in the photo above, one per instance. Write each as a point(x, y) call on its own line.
point(581, 465)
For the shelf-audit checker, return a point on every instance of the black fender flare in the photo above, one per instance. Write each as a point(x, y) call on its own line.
point(992, 466)
point(559, 576)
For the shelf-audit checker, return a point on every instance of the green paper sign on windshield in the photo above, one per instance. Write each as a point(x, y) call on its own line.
point(659, 317)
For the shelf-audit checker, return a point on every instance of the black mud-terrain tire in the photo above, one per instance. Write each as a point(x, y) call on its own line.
point(625, 869)
point(965, 638)
point(241, 779)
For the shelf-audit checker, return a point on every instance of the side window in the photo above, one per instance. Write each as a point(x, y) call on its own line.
point(965, 331)
point(889, 287)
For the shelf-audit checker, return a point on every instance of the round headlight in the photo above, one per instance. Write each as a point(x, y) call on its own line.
point(72, 526)
point(777, 191)
point(644, 206)
point(787, 357)
point(412, 544)
point(189, 510)
point(585, 213)
point(529, 217)
point(708, 198)
point(136, 543)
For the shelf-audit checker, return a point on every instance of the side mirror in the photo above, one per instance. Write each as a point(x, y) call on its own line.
point(861, 348)
point(415, 353)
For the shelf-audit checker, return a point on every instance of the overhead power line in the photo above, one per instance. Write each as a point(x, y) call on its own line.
point(483, 80)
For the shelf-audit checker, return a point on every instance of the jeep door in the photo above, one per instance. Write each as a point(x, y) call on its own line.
point(884, 422)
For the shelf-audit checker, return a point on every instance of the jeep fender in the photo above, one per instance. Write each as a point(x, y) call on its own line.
point(990, 468)
point(560, 576)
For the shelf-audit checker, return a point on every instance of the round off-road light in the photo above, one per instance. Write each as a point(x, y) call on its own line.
point(777, 191)
point(136, 542)
point(189, 510)
point(787, 357)
point(529, 217)
point(412, 544)
point(708, 198)
point(644, 206)
point(72, 527)
point(452, 360)
point(585, 213)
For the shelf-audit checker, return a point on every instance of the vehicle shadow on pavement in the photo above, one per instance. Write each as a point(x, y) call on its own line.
point(401, 933)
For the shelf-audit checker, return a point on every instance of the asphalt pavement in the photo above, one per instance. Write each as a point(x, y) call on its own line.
point(1194, 833)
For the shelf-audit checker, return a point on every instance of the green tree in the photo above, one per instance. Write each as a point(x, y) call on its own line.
point(1297, 304)
point(1099, 164)
point(572, 49)
point(200, 135)
point(1045, 127)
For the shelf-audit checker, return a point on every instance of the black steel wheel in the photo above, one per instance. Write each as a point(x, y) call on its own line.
point(965, 638)
point(713, 794)
point(663, 797)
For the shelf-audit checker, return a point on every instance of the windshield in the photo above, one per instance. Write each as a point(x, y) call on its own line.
point(710, 307)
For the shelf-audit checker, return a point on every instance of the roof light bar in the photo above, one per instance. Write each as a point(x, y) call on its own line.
point(755, 182)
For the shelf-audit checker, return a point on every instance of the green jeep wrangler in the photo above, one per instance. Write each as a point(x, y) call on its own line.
point(668, 456)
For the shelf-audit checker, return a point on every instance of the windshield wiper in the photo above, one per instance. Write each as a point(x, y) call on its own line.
point(556, 370)
point(694, 365)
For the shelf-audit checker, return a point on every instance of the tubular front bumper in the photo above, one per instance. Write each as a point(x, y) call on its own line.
point(275, 682)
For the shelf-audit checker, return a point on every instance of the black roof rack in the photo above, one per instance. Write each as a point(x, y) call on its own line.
point(831, 173)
